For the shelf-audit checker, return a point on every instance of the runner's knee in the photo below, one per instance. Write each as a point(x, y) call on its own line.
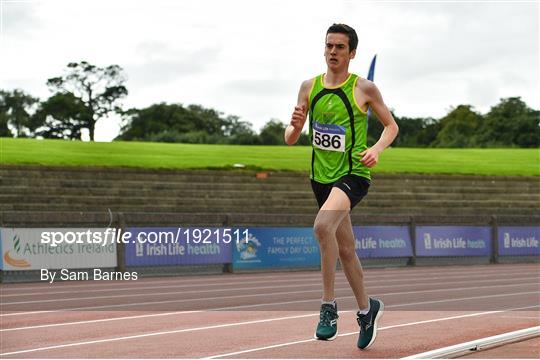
point(347, 254)
point(323, 231)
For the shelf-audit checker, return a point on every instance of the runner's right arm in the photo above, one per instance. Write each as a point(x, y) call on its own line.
point(298, 118)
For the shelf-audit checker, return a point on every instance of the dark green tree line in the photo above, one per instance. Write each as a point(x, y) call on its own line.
point(86, 93)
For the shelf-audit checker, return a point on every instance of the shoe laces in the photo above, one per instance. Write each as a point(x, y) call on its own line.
point(328, 313)
point(363, 320)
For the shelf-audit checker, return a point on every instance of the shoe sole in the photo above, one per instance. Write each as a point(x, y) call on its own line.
point(375, 324)
point(323, 339)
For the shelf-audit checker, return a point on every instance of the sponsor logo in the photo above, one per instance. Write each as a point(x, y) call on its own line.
point(139, 249)
point(427, 241)
point(248, 249)
point(14, 261)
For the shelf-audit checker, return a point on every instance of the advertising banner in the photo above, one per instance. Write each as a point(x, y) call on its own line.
point(277, 247)
point(453, 241)
point(55, 248)
point(382, 241)
point(517, 241)
point(180, 246)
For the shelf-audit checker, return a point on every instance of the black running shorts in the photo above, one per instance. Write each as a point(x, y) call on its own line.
point(356, 187)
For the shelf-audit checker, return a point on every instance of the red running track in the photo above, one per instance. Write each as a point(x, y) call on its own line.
point(269, 315)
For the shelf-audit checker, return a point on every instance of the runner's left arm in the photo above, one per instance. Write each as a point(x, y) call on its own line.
point(370, 157)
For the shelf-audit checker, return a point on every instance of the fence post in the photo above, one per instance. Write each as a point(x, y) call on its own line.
point(412, 234)
point(228, 268)
point(494, 240)
point(120, 246)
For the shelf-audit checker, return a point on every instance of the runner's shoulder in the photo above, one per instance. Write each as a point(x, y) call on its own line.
point(366, 86)
point(307, 84)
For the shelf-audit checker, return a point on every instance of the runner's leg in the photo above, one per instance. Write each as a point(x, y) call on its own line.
point(349, 261)
point(331, 214)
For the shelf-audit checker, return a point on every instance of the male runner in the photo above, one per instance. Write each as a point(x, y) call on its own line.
point(337, 103)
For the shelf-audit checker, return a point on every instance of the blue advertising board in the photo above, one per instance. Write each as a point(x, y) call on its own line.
point(382, 241)
point(518, 241)
point(277, 247)
point(453, 241)
point(180, 246)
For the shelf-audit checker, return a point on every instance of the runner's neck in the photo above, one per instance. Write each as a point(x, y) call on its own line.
point(331, 79)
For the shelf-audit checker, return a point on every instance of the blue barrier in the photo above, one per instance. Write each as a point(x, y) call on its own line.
point(382, 241)
point(277, 247)
point(177, 246)
point(298, 247)
point(518, 241)
point(263, 248)
point(453, 241)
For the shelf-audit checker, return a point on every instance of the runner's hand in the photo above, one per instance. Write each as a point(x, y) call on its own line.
point(298, 117)
point(369, 157)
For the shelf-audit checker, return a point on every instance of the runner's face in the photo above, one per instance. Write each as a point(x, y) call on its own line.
point(336, 51)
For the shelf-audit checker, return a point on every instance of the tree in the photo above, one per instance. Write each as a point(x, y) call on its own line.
point(459, 128)
point(4, 130)
point(240, 132)
point(15, 112)
point(192, 124)
point(511, 123)
point(97, 89)
point(415, 132)
point(140, 124)
point(427, 135)
point(304, 139)
point(272, 133)
point(162, 118)
point(61, 117)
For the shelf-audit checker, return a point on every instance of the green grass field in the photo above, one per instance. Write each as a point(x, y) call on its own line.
point(295, 158)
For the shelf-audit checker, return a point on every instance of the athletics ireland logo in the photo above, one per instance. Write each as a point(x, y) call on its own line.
point(18, 263)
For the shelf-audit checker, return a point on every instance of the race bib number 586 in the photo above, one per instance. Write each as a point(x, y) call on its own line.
point(329, 137)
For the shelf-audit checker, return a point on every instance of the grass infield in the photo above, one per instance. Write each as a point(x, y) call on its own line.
point(521, 162)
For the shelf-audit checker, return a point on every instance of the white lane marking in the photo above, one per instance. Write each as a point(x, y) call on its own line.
point(228, 325)
point(122, 305)
point(186, 280)
point(259, 305)
point(155, 294)
point(380, 329)
point(453, 350)
point(510, 276)
point(154, 334)
point(48, 289)
point(257, 295)
point(145, 288)
point(196, 291)
point(373, 273)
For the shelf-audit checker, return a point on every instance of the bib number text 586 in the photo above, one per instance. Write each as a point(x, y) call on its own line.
point(330, 142)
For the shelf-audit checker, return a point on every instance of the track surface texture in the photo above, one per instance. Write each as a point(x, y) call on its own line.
point(268, 315)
